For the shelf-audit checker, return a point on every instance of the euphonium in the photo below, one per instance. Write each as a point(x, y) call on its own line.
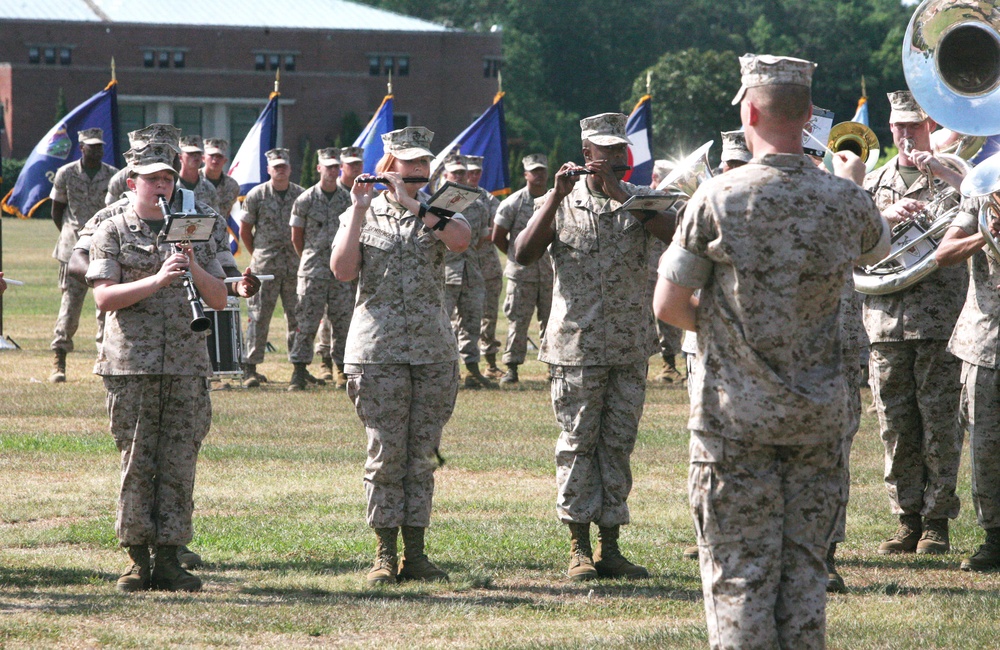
point(914, 241)
point(689, 173)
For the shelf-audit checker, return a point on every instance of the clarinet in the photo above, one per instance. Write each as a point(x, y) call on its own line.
point(199, 322)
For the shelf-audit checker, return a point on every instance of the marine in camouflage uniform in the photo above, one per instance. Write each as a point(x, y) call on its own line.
point(915, 380)
point(489, 265)
point(529, 288)
point(267, 235)
point(976, 342)
point(226, 187)
point(314, 222)
point(465, 291)
point(77, 194)
point(769, 414)
point(155, 370)
point(190, 177)
point(401, 357)
point(598, 339)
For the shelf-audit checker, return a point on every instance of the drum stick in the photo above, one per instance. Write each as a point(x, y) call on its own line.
point(262, 278)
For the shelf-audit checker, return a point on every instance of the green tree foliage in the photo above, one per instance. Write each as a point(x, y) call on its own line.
point(566, 60)
point(61, 109)
point(350, 128)
point(309, 175)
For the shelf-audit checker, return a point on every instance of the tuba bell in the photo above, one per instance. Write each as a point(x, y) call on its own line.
point(951, 60)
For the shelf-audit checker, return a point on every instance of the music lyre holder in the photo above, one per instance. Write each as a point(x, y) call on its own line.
point(183, 228)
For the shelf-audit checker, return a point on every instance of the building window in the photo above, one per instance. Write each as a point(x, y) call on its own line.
point(131, 117)
point(400, 121)
point(50, 55)
point(274, 61)
point(491, 67)
point(290, 62)
point(178, 59)
point(163, 59)
point(241, 120)
point(65, 56)
point(388, 64)
point(148, 59)
point(34, 55)
point(259, 63)
point(188, 119)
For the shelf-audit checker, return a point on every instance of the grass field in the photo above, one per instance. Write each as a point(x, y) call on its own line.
point(280, 511)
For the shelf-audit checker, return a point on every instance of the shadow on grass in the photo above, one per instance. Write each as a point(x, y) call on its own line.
point(24, 578)
point(895, 589)
point(303, 565)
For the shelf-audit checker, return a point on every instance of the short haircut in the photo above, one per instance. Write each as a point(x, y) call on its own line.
point(782, 102)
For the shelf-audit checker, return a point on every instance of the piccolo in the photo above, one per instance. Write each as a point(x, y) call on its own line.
point(580, 171)
point(237, 278)
point(383, 179)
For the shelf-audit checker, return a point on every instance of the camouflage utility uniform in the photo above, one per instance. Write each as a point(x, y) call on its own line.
point(227, 191)
point(465, 291)
point(489, 264)
point(976, 342)
point(401, 361)
point(83, 196)
point(915, 380)
point(155, 370)
point(597, 343)
point(318, 292)
point(269, 214)
point(529, 288)
point(769, 409)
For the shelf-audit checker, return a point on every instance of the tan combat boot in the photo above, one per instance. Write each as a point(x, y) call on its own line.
point(415, 565)
point(987, 558)
point(58, 375)
point(934, 540)
point(581, 560)
point(341, 377)
point(510, 377)
point(188, 558)
point(608, 559)
point(905, 539)
point(168, 574)
point(834, 582)
point(327, 369)
point(136, 577)
point(298, 381)
point(491, 367)
point(691, 552)
point(250, 376)
point(384, 569)
point(477, 377)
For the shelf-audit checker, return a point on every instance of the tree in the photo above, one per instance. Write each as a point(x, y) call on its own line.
point(61, 109)
point(309, 176)
point(692, 93)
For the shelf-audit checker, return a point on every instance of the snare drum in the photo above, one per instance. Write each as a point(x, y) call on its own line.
point(225, 339)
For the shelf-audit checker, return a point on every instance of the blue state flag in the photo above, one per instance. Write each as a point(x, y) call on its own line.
point(486, 137)
point(371, 136)
point(249, 166)
point(639, 129)
point(990, 148)
point(861, 115)
point(59, 147)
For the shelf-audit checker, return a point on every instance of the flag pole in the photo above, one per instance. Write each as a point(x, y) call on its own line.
point(388, 85)
point(649, 82)
point(499, 82)
point(113, 77)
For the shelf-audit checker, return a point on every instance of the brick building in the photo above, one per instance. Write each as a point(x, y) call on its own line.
point(208, 67)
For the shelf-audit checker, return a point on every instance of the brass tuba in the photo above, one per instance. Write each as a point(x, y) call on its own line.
point(951, 59)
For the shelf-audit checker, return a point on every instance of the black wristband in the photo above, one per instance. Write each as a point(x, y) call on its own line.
point(649, 215)
point(442, 222)
point(423, 210)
